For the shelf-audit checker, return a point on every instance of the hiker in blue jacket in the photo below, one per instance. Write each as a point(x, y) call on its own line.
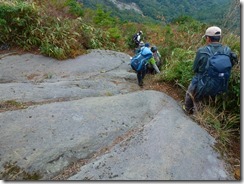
point(212, 36)
point(142, 73)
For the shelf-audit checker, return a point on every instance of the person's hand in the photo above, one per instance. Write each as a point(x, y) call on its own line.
point(234, 59)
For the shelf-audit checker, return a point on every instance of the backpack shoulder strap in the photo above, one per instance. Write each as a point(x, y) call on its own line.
point(210, 51)
point(227, 51)
point(223, 50)
point(142, 50)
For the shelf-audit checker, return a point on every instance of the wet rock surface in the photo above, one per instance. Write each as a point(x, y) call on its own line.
point(89, 112)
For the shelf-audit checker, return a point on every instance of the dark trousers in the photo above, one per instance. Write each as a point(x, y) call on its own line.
point(189, 98)
point(140, 76)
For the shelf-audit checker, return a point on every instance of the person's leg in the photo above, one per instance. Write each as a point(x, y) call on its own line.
point(139, 78)
point(143, 73)
point(189, 98)
point(149, 68)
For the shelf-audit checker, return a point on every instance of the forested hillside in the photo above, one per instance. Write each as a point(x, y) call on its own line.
point(165, 11)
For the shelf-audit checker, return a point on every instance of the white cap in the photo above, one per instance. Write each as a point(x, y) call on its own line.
point(141, 44)
point(213, 31)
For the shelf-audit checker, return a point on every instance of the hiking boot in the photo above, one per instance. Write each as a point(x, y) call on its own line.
point(187, 111)
point(140, 84)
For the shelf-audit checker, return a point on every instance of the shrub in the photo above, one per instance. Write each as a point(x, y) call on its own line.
point(114, 34)
point(17, 21)
point(75, 8)
point(178, 68)
point(103, 18)
point(59, 37)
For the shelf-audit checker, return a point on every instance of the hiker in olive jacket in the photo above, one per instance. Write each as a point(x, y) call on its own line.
point(155, 63)
point(212, 36)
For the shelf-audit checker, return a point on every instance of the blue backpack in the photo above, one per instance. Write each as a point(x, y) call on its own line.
point(215, 79)
point(139, 61)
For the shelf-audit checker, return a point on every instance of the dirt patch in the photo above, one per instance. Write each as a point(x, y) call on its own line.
point(172, 90)
point(14, 172)
point(10, 105)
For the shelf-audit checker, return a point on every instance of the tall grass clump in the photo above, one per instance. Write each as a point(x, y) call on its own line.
point(18, 19)
point(184, 32)
point(178, 67)
point(60, 38)
point(225, 127)
point(64, 37)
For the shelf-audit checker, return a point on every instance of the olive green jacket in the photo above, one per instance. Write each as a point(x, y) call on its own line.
point(153, 63)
